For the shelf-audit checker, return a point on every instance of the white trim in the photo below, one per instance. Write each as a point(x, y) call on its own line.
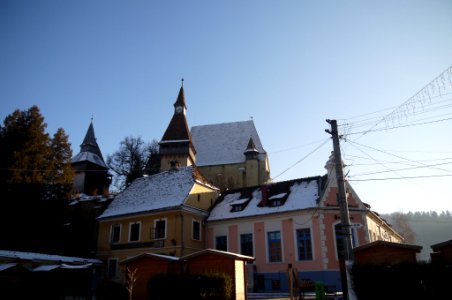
point(155, 226)
point(268, 249)
point(111, 233)
point(130, 231)
point(296, 244)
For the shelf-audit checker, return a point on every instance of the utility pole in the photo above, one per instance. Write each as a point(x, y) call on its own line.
point(342, 197)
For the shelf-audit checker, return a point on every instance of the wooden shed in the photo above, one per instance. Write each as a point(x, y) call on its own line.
point(210, 260)
point(206, 261)
point(442, 252)
point(383, 253)
point(143, 267)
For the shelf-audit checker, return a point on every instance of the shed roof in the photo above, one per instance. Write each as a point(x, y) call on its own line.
point(388, 244)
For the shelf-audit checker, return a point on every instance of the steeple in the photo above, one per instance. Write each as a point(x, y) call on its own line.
point(89, 142)
point(179, 105)
point(251, 150)
point(176, 147)
point(91, 172)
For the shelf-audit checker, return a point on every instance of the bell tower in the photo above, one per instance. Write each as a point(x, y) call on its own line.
point(176, 147)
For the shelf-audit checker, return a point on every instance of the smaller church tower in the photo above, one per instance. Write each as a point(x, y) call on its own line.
point(176, 147)
point(91, 172)
point(251, 164)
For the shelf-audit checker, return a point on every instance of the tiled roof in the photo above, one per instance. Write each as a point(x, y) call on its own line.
point(224, 143)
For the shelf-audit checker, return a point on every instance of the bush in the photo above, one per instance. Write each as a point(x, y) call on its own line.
point(214, 286)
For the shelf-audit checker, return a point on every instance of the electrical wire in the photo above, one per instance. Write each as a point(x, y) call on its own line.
point(403, 177)
point(303, 158)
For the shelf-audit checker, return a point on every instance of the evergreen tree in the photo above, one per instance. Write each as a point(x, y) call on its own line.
point(35, 182)
point(61, 174)
point(24, 147)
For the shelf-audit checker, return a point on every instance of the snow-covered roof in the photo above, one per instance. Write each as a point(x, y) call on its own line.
point(164, 190)
point(7, 254)
point(224, 143)
point(91, 157)
point(294, 195)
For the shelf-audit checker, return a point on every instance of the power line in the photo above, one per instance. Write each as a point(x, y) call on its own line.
point(403, 169)
point(405, 177)
point(303, 158)
point(415, 162)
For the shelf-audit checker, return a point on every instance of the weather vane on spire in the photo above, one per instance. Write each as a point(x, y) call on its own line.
point(182, 81)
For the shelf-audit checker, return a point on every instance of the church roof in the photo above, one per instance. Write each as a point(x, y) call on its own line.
point(224, 143)
point(89, 149)
point(178, 127)
point(293, 195)
point(165, 190)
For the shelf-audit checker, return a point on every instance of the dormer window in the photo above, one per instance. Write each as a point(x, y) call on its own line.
point(236, 208)
point(274, 203)
point(277, 200)
point(238, 205)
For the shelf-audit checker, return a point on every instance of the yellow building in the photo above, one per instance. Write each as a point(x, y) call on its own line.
point(164, 214)
point(229, 155)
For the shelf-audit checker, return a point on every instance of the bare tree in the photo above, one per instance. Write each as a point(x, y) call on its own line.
point(400, 223)
point(130, 161)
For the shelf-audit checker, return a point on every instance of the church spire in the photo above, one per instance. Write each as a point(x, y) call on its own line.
point(176, 144)
point(251, 150)
point(179, 105)
point(89, 142)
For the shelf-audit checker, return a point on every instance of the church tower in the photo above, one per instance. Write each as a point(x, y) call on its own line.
point(91, 172)
point(176, 147)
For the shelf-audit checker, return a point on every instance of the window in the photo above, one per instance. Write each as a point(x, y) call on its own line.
point(246, 244)
point(196, 229)
point(221, 243)
point(274, 246)
point(304, 244)
point(160, 229)
point(237, 207)
point(340, 240)
point(134, 233)
point(275, 203)
point(115, 233)
point(112, 267)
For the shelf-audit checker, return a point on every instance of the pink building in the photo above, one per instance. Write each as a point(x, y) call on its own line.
point(292, 222)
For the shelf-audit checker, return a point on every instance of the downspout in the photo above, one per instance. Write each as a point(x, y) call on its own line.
point(182, 239)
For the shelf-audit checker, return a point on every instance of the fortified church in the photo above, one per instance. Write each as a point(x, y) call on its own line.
point(214, 192)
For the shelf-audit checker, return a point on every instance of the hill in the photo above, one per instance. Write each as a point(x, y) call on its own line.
point(428, 228)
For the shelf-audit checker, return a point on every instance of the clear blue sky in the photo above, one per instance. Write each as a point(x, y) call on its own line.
point(288, 64)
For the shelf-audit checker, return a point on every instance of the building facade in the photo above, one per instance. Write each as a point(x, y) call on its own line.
point(163, 214)
point(294, 222)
